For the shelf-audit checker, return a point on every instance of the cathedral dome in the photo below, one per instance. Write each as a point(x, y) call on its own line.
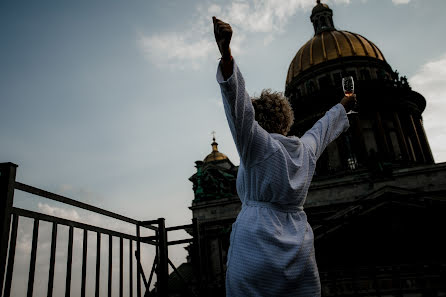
point(331, 45)
point(215, 155)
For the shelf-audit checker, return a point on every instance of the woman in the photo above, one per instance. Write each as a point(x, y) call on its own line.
point(271, 249)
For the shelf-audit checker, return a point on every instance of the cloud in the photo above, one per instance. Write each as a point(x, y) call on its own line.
point(268, 39)
point(396, 2)
point(184, 49)
point(214, 9)
point(85, 195)
point(179, 50)
point(266, 16)
point(269, 16)
point(430, 81)
point(82, 216)
point(69, 214)
point(175, 49)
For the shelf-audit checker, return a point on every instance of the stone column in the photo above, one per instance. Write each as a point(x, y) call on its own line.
point(359, 138)
point(419, 148)
point(382, 134)
point(401, 137)
point(424, 141)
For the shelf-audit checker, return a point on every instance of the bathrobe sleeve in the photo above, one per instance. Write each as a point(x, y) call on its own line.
point(253, 143)
point(327, 129)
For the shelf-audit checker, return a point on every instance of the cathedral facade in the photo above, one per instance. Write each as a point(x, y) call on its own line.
point(378, 199)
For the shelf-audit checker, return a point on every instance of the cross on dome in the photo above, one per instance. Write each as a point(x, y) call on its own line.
point(215, 155)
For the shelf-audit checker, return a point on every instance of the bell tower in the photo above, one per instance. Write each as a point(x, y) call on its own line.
point(322, 18)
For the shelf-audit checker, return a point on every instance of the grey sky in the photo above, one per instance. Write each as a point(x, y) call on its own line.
point(111, 102)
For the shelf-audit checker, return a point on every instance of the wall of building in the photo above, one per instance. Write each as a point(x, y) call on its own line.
point(424, 179)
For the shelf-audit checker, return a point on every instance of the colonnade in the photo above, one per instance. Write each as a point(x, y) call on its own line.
point(407, 145)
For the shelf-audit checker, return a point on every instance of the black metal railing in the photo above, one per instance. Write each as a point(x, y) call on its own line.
point(396, 280)
point(161, 262)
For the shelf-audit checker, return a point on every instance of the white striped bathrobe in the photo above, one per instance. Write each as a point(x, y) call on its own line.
point(271, 249)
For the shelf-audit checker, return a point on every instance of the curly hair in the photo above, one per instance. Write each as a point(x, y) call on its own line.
point(273, 112)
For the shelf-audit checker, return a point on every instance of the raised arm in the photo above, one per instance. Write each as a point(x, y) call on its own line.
point(329, 127)
point(253, 143)
point(223, 35)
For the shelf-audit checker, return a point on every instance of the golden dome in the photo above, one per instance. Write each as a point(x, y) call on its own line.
point(215, 155)
point(331, 45)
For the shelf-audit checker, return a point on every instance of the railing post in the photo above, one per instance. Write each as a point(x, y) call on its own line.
point(196, 253)
point(138, 261)
point(7, 180)
point(163, 268)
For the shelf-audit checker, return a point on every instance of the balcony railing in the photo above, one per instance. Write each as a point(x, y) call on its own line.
point(9, 221)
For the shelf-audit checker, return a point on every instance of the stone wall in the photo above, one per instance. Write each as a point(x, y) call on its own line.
point(429, 179)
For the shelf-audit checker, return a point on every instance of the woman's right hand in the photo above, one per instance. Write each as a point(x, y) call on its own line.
point(223, 35)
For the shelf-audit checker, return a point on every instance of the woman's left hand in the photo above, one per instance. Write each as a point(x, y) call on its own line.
point(349, 102)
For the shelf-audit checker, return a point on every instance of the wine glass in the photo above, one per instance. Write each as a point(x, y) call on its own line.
point(348, 86)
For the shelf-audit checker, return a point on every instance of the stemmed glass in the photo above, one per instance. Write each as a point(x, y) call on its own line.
point(348, 86)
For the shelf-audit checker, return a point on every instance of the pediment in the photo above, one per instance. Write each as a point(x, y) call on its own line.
point(379, 203)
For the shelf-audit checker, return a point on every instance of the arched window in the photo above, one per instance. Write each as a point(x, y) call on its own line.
point(365, 74)
point(352, 160)
point(337, 78)
point(392, 138)
point(381, 74)
point(369, 135)
point(298, 93)
point(323, 22)
point(311, 87)
point(352, 73)
point(324, 82)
